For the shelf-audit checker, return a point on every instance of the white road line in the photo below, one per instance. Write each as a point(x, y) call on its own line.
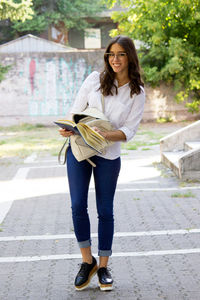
point(47, 161)
point(158, 189)
point(47, 167)
point(31, 158)
point(117, 254)
point(145, 181)
point(4, 208)
point(94, 235)
point(21, 174)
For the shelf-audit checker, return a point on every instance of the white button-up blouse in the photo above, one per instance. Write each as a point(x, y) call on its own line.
point(124, 112)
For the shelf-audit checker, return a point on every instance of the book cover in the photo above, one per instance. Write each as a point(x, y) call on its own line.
point(68, 125)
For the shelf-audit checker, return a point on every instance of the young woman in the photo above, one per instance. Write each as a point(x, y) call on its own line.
point(122, 87)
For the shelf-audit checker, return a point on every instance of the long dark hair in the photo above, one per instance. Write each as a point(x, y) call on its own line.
point(107, 77)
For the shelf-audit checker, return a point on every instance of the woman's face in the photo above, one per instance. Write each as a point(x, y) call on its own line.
point(118, 59)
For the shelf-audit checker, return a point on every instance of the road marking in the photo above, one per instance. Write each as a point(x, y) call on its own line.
point(47, 161)
point(31, 158)
point(46, 167)
point(4, 209)
point(117, 254)
point(145, 181)
point(158, 189)
point(94, 235)
point(21, 174)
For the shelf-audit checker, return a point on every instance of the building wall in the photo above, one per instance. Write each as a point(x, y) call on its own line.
point(76, 38)
point(105, 30)
point(40, 87)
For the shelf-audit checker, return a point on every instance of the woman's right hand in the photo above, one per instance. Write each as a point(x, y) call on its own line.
point(65, 133)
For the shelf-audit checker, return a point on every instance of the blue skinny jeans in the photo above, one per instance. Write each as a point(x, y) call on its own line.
point(105, 177)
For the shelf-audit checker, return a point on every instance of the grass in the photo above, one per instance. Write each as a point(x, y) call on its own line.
point(21, 141)
point(21, 127)
point(151, 134)
point(133, 145)
point(143, 139)
point(189, 228)
point(164, 120)
point(185, 195)
point(145, 149)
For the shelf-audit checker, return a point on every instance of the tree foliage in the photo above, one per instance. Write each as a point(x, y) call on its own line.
point(71, 12)
point(170, 52)
point(16, 10)
point(3, 71)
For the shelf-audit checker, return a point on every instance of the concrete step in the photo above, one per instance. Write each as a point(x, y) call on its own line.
point(185, 164)
point(171, 159)
point(177, 139)
point(189, 165)
point(180, 151)
point(191, 145)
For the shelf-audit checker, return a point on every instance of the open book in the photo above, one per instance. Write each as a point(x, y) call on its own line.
point(92, 138)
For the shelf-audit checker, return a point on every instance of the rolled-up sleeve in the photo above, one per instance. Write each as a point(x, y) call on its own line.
point(130, 126)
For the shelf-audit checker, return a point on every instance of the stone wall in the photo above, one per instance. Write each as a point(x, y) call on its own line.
point(40, 88)
point(160, 103)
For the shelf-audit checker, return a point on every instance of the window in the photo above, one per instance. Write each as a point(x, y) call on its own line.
point(92, 38)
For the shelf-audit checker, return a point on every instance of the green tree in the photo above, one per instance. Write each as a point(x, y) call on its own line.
point(170, 32)
point(16, 10)
point(3, 71)
point(72, 13)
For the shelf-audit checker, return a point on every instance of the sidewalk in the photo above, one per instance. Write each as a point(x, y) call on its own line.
point(156, 249)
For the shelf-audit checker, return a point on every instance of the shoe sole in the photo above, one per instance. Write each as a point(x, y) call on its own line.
point(105, 287)
point(83, 286)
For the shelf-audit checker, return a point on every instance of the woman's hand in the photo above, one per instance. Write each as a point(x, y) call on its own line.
point(114, 135)
point(103, 133)
point(65, 133)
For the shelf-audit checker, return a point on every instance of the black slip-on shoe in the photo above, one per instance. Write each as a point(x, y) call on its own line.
point(105, 279)
point(85, 274)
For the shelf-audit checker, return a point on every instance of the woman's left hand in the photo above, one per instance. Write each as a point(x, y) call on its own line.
point(103, 133)
point(112, 135)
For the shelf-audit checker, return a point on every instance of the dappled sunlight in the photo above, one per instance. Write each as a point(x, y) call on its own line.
point(22, 143)
point(19, 188)
point(137, 169)
point(132, 170)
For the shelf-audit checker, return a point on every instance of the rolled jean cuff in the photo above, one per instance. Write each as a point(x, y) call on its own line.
point(85, 244)
point(104, 252)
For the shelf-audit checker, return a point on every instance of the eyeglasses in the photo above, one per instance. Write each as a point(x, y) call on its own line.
point(113, 55)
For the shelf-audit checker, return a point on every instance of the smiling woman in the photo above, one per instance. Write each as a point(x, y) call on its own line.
point(118, 61)
point(121, 66)
point(121, 85)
